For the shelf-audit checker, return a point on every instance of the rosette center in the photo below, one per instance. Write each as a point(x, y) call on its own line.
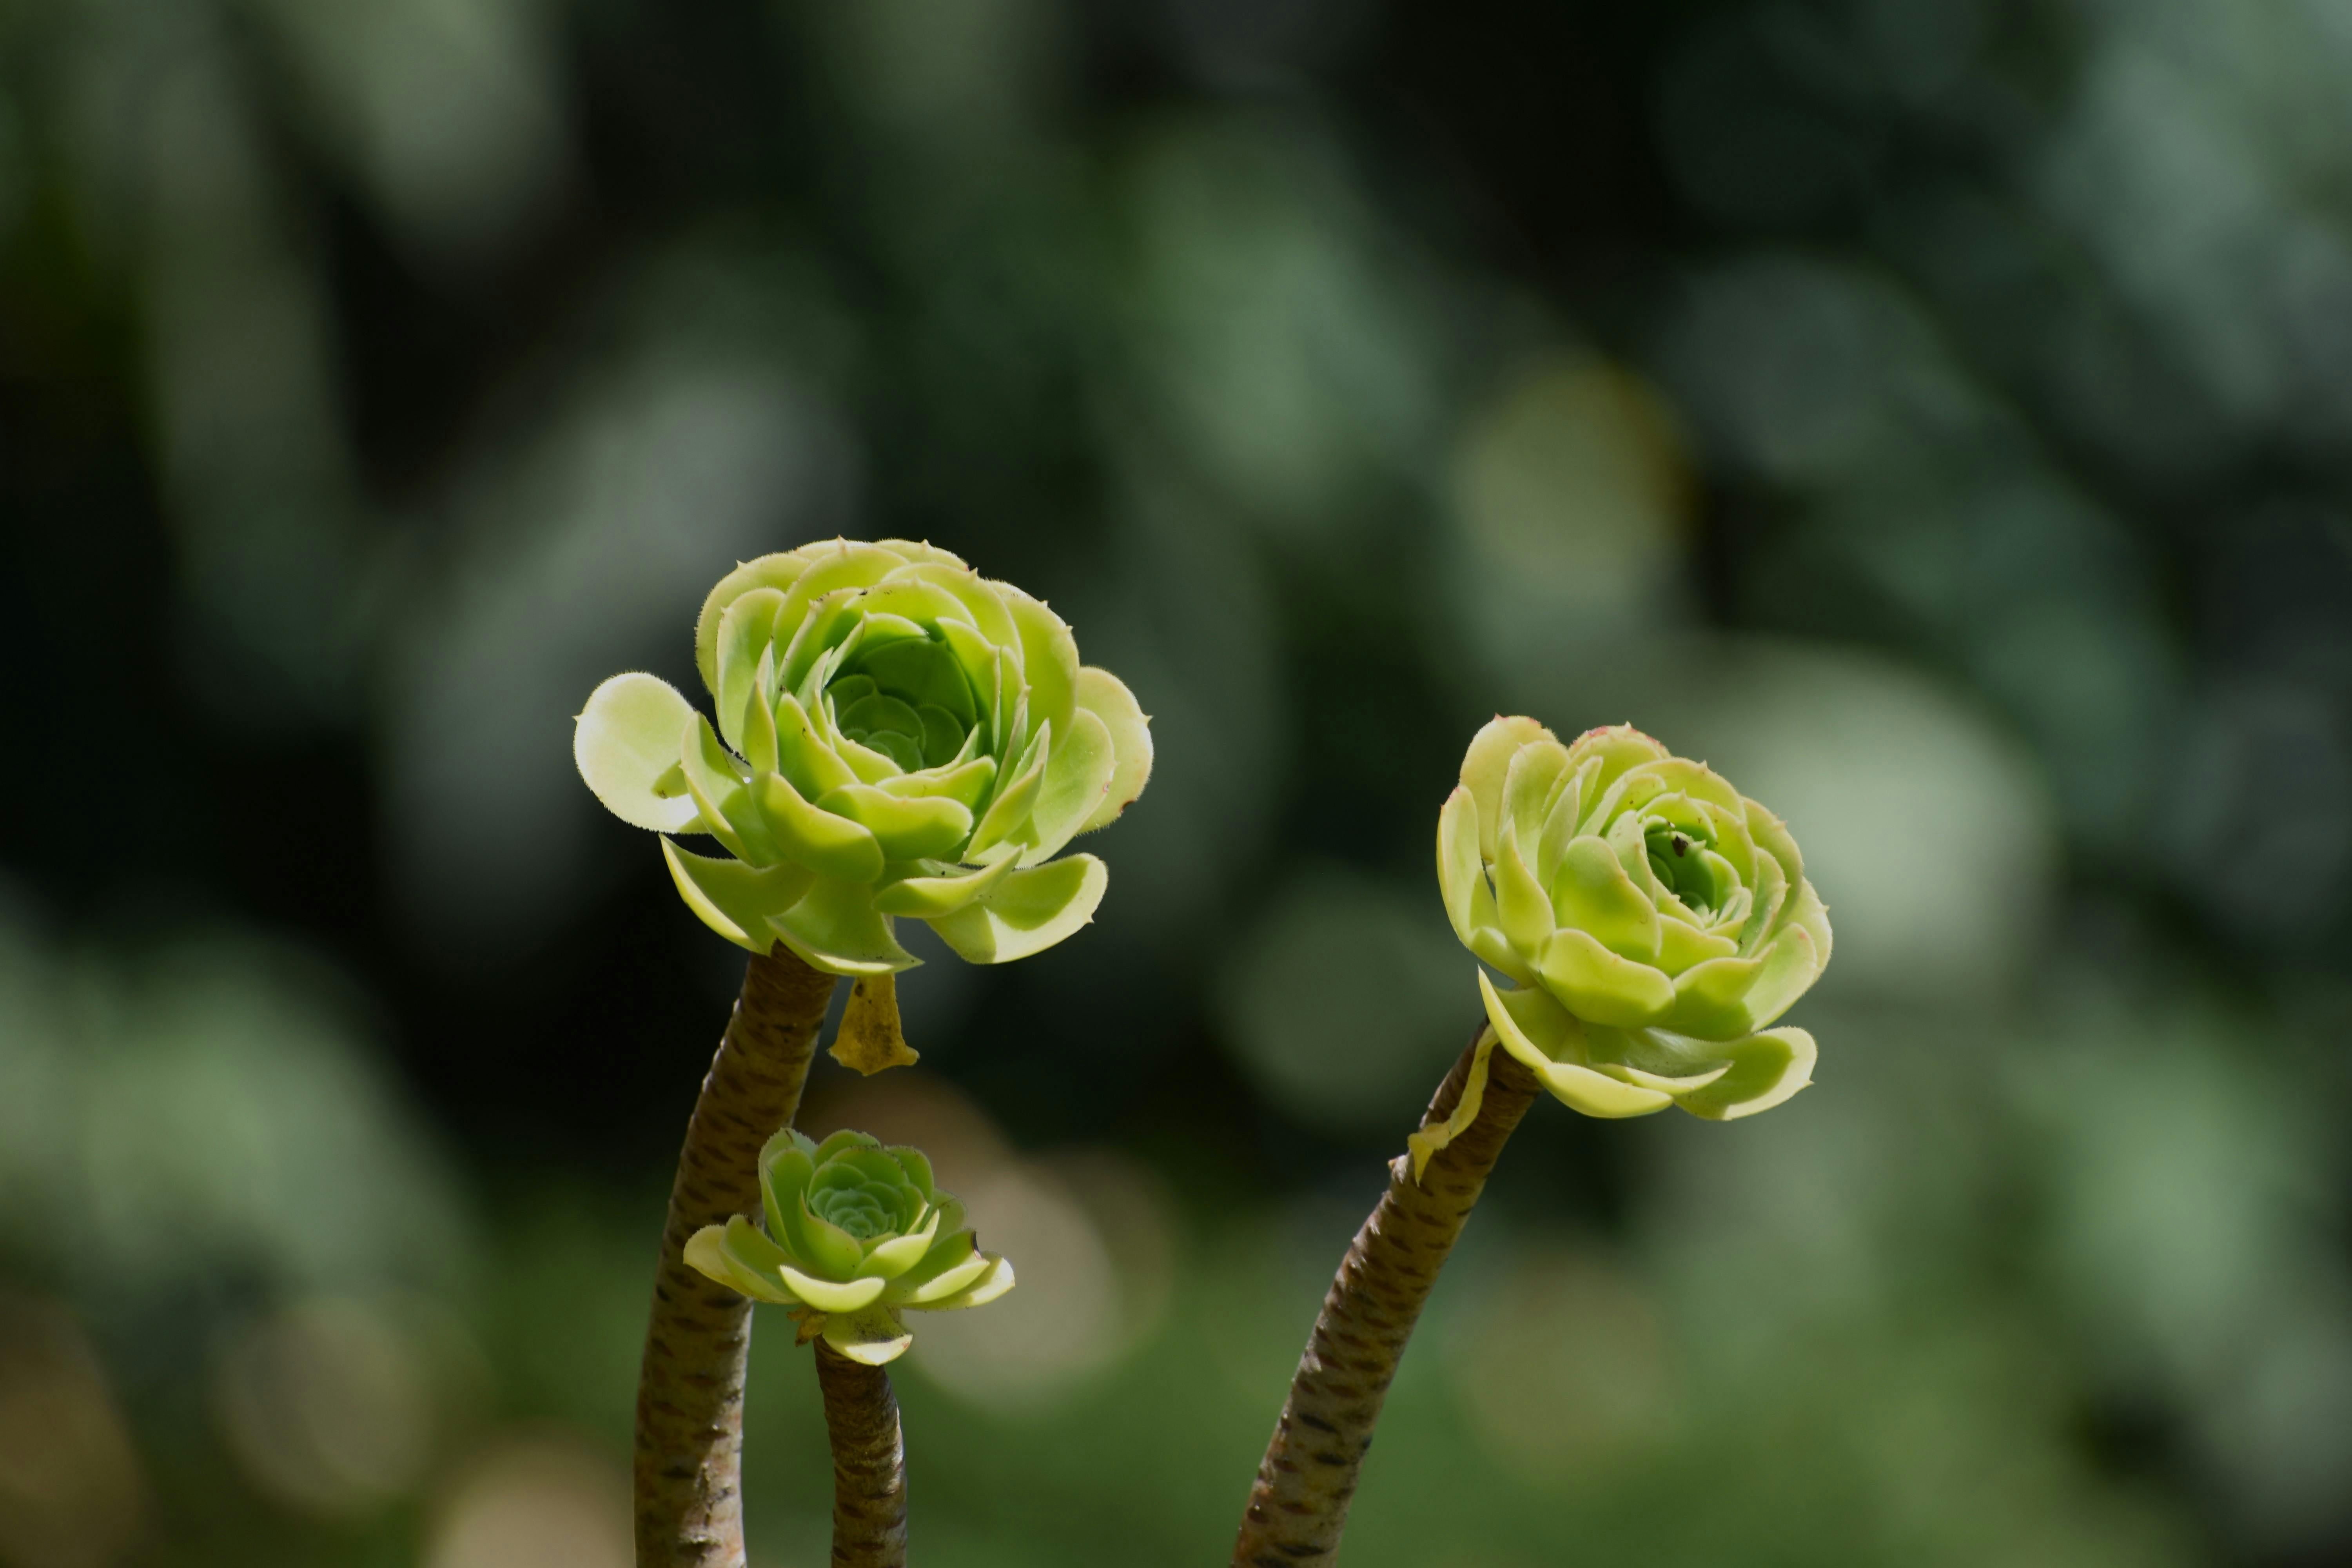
point(862, 1211)
point(1682, 860)
point(908, 699)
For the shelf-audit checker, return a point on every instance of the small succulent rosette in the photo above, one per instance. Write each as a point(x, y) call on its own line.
point(857, 1234)
point(897, 737)
point(1656, 922)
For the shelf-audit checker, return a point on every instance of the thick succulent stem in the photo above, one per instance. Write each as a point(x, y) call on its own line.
point(870, 1462)
point(690, 1441)
point(1300, 1505)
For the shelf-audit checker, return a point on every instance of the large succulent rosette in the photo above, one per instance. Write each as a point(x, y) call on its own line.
point(856, 1234)
point(1656, 922)
point(897, 737)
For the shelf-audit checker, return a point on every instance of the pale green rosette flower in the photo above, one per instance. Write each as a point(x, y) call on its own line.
point(857, 1234)
point(1655, 921)
point(897, 737)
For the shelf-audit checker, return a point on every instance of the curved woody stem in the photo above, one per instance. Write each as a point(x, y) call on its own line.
point(1299, 1506)
point(870, 1462)
point(689, 1433)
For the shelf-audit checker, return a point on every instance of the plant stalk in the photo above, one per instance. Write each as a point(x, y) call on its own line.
point(1299, 1506)
point(870, 1462)
point(690, 1437)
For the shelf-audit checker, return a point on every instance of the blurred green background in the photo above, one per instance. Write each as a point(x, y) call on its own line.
point(1937, 413)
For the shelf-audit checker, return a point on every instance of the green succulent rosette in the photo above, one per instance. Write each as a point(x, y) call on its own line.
point(857, 1234)
point(1653, 919)
point(897, 737)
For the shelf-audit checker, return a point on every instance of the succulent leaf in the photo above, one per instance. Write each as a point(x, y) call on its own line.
point(889, 1260)
point(918, 1166)
point(1596, 983)
point(624, 743)
point(904, 827)
point(746, 631)
point(873, 1335)
point(715, 780)
point(1076, 783)
point(830, 1296)
point(785, 1166)
point(1007, 818)
point(1027, 912)
point(994, 1280)
point(707, 1251)
point(1767, 1067)
point(934, 897)
point(733, 897)
point(1105, 697)
point(1461, 874)
point(1486, 765)
point(835, 928)
point(1527, 784)
point(777, 572)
